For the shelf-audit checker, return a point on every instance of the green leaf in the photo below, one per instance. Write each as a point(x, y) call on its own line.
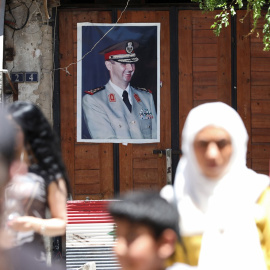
point(233, 11)
point(228, 9)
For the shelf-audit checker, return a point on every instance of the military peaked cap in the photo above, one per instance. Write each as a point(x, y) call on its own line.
point(122, 52)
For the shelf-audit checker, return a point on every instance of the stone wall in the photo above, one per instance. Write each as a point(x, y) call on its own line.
point(33, 51)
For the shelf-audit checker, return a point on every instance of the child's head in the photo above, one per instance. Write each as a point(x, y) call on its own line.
point(146, 229)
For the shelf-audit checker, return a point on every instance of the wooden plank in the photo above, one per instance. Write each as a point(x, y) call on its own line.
point(145, 16)
point(205, 78)
point(165, 92)
point(260, 92)
point(199, 15)
point(165, 96)
point(91, 16)
point(202, 21)
point(144, 152)
point(87, 157)
point(260, 64)
point(125, 167)
point(260, 78)
point(260, 135)
point(146, 175)
point(249, 163)
point(87, 177)
point(152, 186)
point(185, 29)
point(205, 92)
point(224, 66)
point(200, 102)
point(204, 36)
point(145, 163)
point(260, 107)
point(260, 164)
point(66, 94)
point(87, 189)
point(261, 151)
point(243, 73)
point(204, 64)
point(260, 121)
point(257, 50)
point(257, 37)
point(106, 170)
point(205, 50)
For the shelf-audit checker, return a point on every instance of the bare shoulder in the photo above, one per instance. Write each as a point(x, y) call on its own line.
point(58, 186)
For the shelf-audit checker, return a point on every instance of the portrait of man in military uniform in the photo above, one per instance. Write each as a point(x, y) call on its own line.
point(121, 109)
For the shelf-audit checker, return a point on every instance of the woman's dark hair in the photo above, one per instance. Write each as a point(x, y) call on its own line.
point(40, 141)
point(7, 139)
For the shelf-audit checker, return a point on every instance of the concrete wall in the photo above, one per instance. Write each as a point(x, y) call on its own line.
point(33, 49)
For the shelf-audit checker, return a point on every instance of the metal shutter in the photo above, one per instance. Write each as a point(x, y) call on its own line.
point(90, 235)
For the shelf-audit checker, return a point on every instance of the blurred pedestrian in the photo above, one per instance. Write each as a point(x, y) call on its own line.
point(12, 259)
point(44, 184)
point(224, 206)
point(146, 230)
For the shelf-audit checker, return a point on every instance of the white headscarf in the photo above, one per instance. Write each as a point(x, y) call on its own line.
point(222, 209)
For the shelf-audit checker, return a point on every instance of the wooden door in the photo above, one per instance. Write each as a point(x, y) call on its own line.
point(205, 66)
point(204, 62)
point(253, 91)
point(91, 166)
point(205, 74)
point(139, 167)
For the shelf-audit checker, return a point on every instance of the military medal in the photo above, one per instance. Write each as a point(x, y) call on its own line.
point(145, 114)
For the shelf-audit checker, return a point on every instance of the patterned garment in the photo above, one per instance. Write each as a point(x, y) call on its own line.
point(26, 196)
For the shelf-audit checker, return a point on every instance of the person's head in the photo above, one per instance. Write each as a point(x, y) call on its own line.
point(146, 229)
point(7, 148)
point(213, 151)
point(215, 138)
point(40, 140)
point(120, 61)
point(120, 73)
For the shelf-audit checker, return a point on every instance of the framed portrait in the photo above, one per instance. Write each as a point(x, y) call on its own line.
point(118, 83)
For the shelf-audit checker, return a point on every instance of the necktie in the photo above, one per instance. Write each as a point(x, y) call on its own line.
point(126, 100)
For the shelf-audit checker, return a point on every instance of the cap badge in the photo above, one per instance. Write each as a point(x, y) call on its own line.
point(129, 47)
point(112, 97)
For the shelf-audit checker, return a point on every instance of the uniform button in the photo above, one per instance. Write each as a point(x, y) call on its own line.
point(133, 122)
point(149, 126)
point(120, 126)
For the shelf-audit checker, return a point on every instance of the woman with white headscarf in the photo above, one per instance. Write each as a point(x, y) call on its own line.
point(224, 206)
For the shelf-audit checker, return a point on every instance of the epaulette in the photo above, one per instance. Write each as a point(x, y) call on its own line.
point(93, 91)
point(144, 89)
